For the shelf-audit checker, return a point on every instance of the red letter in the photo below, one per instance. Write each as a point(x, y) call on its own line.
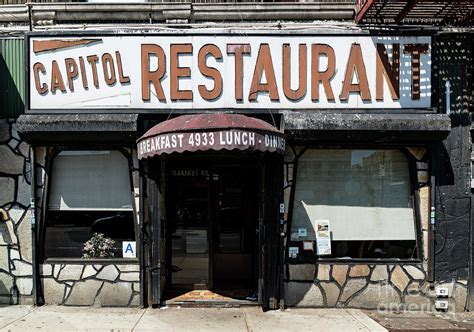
point(238, 50)
point(71, 71)
point(324, 77)
point(177, 71)
point(301, 91)
point(210, 72)
point(356, 65)
point(415, 51)
point(41, 88)
point(391, 72)
point(56, 78)
point(153, 77)
point(93, 59)
point(264, 64)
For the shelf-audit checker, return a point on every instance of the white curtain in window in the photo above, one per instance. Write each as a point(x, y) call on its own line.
point(365, 194)
point(90, 180)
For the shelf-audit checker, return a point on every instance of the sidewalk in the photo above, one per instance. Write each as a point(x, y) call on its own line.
point(423, 321)
point(53, 318)
point(60, 318)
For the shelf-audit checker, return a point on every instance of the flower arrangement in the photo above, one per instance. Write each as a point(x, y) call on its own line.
point(98, 246)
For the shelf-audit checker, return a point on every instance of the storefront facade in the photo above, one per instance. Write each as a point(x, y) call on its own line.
point(208, 189)
point(257, 167)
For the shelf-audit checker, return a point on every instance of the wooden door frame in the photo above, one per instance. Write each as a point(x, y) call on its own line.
point(265, 218)
point(214, 221)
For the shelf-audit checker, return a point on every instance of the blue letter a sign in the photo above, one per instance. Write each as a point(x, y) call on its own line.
point(129, 249)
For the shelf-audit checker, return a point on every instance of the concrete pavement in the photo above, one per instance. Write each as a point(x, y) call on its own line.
point(424, 321)
point(61, 318)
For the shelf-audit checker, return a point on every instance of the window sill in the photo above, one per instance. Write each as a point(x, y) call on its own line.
point(354, 261)
point(87, 261)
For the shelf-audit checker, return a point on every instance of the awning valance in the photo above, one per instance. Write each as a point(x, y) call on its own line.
point(67, 128)
point(210, 131)
point(369, 127)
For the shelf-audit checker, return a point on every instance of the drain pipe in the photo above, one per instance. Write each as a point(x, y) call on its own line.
point(37, 297)
point(434, 169)
point(432, 224)
point(448, 97)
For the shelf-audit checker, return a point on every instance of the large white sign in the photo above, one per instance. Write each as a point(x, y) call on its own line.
point(229, 72)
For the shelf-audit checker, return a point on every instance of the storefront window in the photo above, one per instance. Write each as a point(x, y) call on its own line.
point(90, 194)
point(364, 196)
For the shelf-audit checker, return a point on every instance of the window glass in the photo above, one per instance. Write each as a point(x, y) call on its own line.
point(90, 180)
point(90, 194)
point(364, 195)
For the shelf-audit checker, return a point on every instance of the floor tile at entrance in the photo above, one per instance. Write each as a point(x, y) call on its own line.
point(210, 296)
point(204, 295)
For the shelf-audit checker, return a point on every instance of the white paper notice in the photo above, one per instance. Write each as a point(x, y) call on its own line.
point(323, 237)
point(302, 232)
point(293, 252)
point(308, 245)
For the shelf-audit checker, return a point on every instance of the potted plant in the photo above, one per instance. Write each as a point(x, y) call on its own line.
point(99, 246)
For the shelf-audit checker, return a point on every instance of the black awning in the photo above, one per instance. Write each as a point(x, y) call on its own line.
point(367, 127)
point(66, 128)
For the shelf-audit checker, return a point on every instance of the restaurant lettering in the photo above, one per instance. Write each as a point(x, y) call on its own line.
point(283, 72)
point(105, 66)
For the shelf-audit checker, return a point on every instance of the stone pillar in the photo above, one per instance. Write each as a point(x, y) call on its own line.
point(15, 228)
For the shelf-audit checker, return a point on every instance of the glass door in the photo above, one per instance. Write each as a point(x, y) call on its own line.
point(235, 235)
point(212, 230)
point(188, 220)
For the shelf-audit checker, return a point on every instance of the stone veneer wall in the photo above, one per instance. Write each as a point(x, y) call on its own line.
point(15, 232)
point(106, 284)
point(367, 286)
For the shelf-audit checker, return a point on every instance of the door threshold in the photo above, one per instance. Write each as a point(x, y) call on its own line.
point(208, 298)
point(209, 303)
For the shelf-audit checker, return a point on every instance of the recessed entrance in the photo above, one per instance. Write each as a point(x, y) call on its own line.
point(211, 231)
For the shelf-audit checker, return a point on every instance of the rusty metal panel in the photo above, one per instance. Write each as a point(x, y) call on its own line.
point(12, 77)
